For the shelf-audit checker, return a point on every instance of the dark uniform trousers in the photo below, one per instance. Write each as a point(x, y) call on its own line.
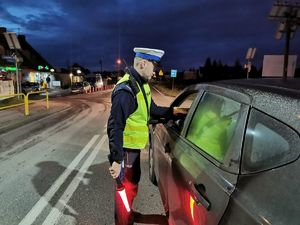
point(130, 177)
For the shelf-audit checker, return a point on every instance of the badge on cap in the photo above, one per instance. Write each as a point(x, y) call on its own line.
point(149, 53)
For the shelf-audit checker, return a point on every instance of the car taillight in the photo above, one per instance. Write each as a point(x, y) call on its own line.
point(197, 211)
point(192, 206)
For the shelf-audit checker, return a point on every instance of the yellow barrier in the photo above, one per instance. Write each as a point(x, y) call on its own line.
point(26, 100)
point(10, 96)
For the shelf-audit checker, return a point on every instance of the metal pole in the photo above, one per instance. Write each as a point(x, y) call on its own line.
point(47, 100)
point(173, 83)
point(286, 53)
point(71, 81)
point(26, 103)
point(248, 68)
point(17, 74)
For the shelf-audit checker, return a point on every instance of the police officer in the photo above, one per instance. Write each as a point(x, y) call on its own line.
point(128, 126)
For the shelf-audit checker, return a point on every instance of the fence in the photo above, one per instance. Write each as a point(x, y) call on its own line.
point(24, 101)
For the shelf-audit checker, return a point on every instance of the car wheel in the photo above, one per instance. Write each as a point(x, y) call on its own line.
point(152, 176)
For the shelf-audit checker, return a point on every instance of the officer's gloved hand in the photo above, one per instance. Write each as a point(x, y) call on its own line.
point(115, 169)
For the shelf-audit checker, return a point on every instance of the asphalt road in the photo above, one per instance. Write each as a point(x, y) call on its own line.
point(54, 169)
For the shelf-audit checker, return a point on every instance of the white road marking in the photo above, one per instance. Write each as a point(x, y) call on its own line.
point(56, 211)
point(44, 200)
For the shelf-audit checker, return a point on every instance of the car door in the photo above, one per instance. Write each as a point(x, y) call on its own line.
point(162, 148)
point(268, 187)
point(204, 160)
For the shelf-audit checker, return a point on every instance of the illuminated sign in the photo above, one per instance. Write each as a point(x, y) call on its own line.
point(173, 73)
point(8, 58)
point(40, 67)
point(8, 68)
point(161, 73)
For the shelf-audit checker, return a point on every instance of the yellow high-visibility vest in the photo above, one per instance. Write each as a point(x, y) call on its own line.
point(135, 134)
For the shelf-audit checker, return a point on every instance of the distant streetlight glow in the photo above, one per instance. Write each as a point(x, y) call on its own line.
point(78, 71)
point(119, 61)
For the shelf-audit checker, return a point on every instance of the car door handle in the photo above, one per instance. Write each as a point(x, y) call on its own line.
point(199, 196)
point(167, 147)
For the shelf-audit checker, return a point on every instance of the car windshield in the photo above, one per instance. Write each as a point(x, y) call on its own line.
point(77, 85)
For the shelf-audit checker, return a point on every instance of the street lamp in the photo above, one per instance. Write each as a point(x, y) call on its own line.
point(17, 72)
point(249, 56)
point(118, 62)
point(100, 61)
point(18, 60)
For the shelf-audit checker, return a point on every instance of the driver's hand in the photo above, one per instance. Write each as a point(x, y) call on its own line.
point(179, 111)
point(115, 169)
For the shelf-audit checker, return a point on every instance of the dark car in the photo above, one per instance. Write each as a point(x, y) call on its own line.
point(80, 87)
point(28, 87)
point(95, 80)
point(234, 157)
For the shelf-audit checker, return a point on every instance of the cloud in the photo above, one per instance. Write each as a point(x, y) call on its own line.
point(189, 31)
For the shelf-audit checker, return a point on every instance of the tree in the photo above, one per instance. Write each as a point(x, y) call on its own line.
point(238, 69)
point(206, 71)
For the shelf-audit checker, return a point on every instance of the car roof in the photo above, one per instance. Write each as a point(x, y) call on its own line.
point(279, 85)
point(278, 97)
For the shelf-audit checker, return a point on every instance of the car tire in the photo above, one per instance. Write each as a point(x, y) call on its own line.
point(152, 175)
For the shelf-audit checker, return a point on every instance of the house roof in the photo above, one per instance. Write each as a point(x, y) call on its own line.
point(31, 58)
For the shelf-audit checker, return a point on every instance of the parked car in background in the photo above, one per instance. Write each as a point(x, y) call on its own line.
point(28, 87)
point(233, 157)
point(80, 87)
point(98, 84)
point(95, 80)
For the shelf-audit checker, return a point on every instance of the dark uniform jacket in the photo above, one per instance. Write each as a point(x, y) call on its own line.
point(123, 105)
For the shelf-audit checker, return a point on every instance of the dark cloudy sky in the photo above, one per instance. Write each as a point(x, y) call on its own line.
point(87, 31)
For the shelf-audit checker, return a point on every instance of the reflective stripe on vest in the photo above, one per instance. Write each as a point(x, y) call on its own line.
point(135, 134)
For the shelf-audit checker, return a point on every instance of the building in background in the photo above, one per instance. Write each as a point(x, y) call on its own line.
point(32, 66)
point(273, 65)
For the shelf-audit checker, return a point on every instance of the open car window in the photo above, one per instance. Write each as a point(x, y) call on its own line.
point(187, 102)
point(183, 105)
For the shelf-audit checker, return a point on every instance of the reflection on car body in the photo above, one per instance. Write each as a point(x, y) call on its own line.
point(234, 157)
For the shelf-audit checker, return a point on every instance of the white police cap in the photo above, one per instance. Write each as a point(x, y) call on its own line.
point(149, 53)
